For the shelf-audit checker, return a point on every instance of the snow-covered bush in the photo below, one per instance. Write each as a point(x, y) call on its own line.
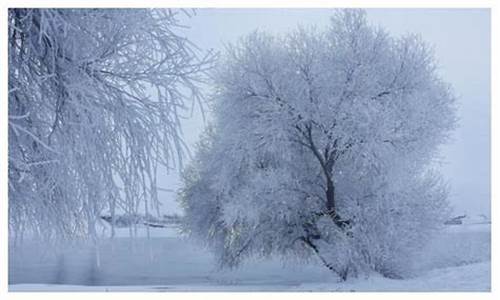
point(95, 97)
point(321, 145)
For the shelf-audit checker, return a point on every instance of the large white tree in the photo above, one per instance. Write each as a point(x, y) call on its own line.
point(95, 99)
point(322, 144)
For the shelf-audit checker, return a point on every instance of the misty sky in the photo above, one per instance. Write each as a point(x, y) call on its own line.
point(461, 40)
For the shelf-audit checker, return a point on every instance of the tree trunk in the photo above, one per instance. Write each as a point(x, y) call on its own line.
point(330, 205)
point(330, 196)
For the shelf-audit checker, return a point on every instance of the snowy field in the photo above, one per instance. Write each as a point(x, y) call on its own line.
point(457, 260)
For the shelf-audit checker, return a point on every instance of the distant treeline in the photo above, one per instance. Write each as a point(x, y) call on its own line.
point(126, 220)
point(459, 220)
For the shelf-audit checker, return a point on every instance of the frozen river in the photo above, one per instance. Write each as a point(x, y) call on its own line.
point(168, 262)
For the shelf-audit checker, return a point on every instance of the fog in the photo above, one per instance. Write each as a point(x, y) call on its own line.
point(277, 244)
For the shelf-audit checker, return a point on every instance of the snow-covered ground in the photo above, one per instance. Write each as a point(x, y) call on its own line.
point(457, 260)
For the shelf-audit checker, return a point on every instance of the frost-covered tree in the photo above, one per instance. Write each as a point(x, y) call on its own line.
point(322, 144)
point(95, 99)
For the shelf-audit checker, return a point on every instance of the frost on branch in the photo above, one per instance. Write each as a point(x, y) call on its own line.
point(321, 145)
point(95, 99)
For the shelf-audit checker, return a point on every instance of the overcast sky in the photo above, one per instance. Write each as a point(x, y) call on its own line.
point(461, 40)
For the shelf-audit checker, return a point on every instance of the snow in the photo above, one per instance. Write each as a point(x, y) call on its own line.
point(170, 263)
point(473, 277)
